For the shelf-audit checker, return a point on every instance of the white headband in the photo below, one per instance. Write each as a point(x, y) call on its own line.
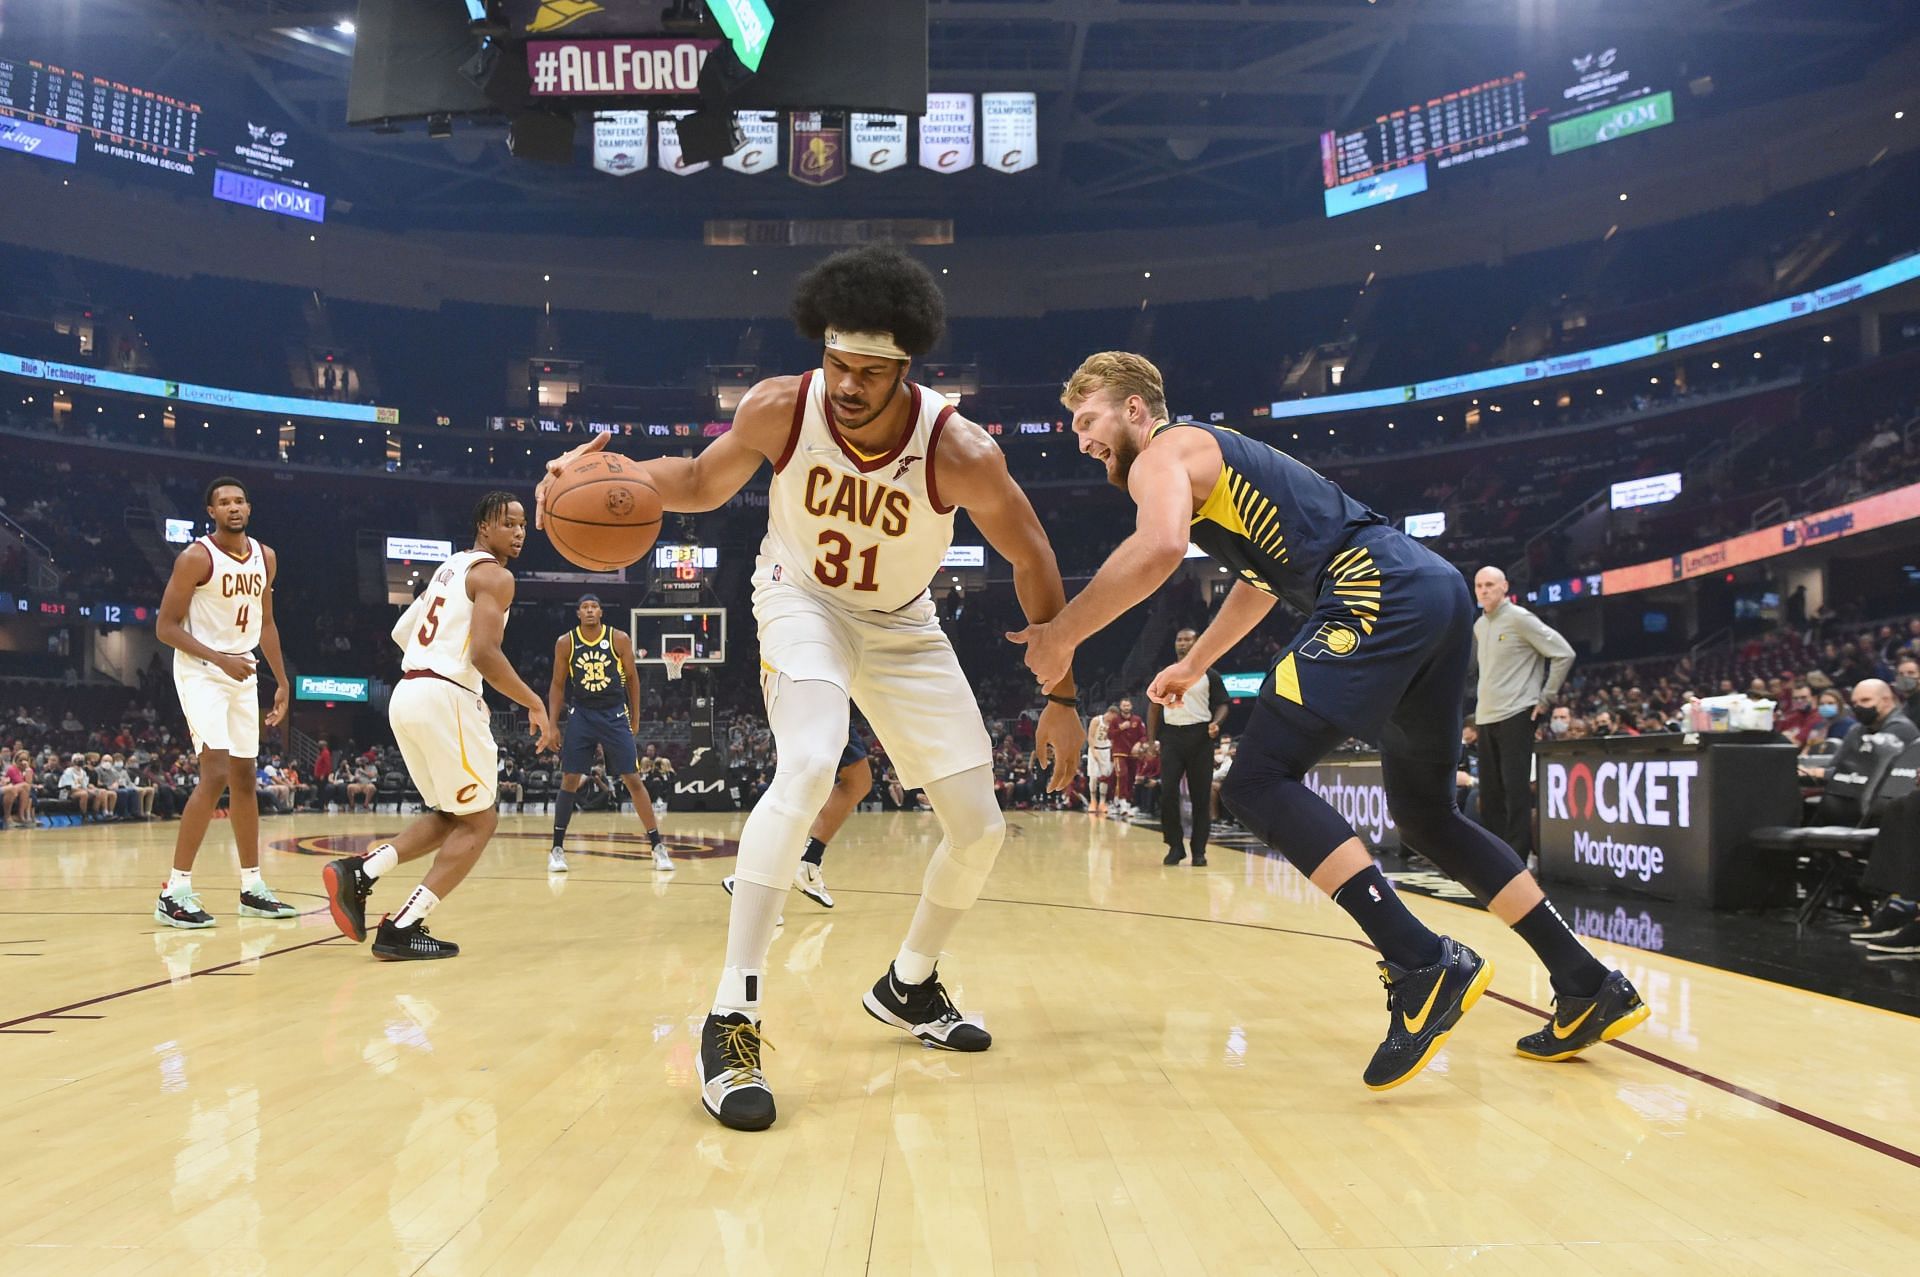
point(873, 345)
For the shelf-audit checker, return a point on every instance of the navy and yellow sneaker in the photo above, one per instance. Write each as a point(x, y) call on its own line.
point(732, 1086)
point(1423, 1005)
point(1579, 1023)
point(347, 890)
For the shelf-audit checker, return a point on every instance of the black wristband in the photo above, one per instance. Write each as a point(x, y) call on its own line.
point(1072, 702)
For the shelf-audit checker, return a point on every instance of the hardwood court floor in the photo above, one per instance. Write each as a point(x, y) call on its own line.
point(1175, 1086)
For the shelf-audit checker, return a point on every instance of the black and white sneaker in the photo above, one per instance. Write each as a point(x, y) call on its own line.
point(183, 910)
point(1904, 941)
point(260, 902)
point(732, 1087)
point(925, 1011)
point(812, 884)
point(410, 943)
point(1886, 920)
point(347, 890)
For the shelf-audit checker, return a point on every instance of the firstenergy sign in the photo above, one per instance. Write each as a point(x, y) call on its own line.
point(1617, 807)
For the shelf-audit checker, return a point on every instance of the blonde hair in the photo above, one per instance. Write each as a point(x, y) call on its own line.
point(1124, 374)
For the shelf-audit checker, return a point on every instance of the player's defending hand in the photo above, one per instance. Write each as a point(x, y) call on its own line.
point(546, 736)
point(237, 668)
point(1169, 686)
point(554, 467)
point(1060, 732)
point(279, 710)
point(1049, 651)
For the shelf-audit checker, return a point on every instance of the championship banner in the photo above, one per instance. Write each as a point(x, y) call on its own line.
point(1010, 131)
point(616, 68)
point(879, 142)
point(816, 147)
point(946, 132)
point(760, 153)
point(670, 158)
point(620, 142)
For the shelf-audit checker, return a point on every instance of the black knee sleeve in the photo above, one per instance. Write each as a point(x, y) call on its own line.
point(1266, 792)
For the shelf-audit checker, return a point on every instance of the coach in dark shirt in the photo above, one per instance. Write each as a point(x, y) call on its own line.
point(1186, 733)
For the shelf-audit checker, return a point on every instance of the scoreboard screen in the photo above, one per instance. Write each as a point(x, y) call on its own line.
point(1451, 129)
point(117, 121)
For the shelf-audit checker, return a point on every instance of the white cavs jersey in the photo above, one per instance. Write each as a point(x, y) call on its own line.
point(868, 532)
point(226, 611)
point(435, 634)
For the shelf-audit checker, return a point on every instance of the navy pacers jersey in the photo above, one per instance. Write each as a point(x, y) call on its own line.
point(1274, 521)
point(1388, 635)
point(595, 678)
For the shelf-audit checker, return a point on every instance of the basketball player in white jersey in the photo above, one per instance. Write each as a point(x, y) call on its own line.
point(1099, 763)
point(450, 642)
point(868, 470)
point(218, 607)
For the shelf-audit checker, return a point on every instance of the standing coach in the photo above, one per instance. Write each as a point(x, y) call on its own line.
point(1523, 662)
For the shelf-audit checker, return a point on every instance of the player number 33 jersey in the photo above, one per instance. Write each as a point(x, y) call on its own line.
point(868, 531)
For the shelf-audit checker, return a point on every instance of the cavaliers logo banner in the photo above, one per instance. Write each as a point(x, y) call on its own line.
point(946, 132)
point(816, 147)
point(620, 142)
point(670, 157)
point(1009, 131)
point(879, 142)
point(760, 153)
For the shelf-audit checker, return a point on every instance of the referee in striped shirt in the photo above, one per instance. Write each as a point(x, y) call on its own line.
point(1186, 733)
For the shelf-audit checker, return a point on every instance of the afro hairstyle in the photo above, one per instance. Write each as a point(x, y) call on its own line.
point(876, 289)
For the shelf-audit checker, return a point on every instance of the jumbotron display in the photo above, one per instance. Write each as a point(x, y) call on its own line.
point(51, 107)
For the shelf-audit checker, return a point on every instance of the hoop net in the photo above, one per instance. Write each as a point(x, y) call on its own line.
point(675, 662)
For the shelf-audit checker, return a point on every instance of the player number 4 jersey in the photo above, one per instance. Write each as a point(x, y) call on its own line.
point(226, 611)
point(867, 531)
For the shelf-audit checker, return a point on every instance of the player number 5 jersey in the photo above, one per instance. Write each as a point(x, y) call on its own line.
point(226, 611)
point(867, 531)
point(436, 633)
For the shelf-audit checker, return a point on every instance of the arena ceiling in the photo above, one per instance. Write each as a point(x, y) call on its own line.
point(1152, 111)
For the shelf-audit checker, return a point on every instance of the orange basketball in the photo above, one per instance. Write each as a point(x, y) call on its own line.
point(601, 513)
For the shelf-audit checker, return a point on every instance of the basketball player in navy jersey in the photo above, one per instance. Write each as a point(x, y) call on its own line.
point(594, 672)
point(217, 609)
point(1383, 656)
point(851, 783)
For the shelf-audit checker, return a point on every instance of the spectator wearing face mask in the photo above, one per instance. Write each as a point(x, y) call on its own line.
point(1558, 723)
point(1834, 722)
point(1799, 717)
point(1906, 679)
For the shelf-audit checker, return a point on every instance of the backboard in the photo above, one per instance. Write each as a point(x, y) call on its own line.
point(655, 629)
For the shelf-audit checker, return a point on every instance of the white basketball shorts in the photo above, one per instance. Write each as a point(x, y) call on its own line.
point(447, 741)
point(898, 667)
point(221, 714)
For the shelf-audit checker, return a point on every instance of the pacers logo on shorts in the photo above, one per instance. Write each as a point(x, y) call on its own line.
point(1331, 640)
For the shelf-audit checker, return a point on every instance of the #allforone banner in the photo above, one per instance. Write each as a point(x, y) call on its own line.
point(620, 142)
point(946, 132)
point(1009, 131)
point(670, 158)
point(761, 150)
point(760, 153)
point(879, 142)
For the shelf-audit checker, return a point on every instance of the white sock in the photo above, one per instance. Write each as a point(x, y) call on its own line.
point(739, 988)
point(380, 859)
point(418, 906)
point(249, 878)
point(179, 882)
point(913, 968)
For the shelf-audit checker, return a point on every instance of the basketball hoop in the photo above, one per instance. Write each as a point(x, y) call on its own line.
point(675, 663)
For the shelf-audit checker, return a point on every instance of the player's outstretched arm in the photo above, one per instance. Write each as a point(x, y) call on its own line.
point(761, 427)
point(1162, 488)
point(270, 642)
point(491, 588)
point(1245, 608)
point(189, 569)
point(973, 475)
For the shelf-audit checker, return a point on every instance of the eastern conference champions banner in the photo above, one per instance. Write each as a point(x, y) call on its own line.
point(620, 142)
point(1009, 131)
point(946, 133)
